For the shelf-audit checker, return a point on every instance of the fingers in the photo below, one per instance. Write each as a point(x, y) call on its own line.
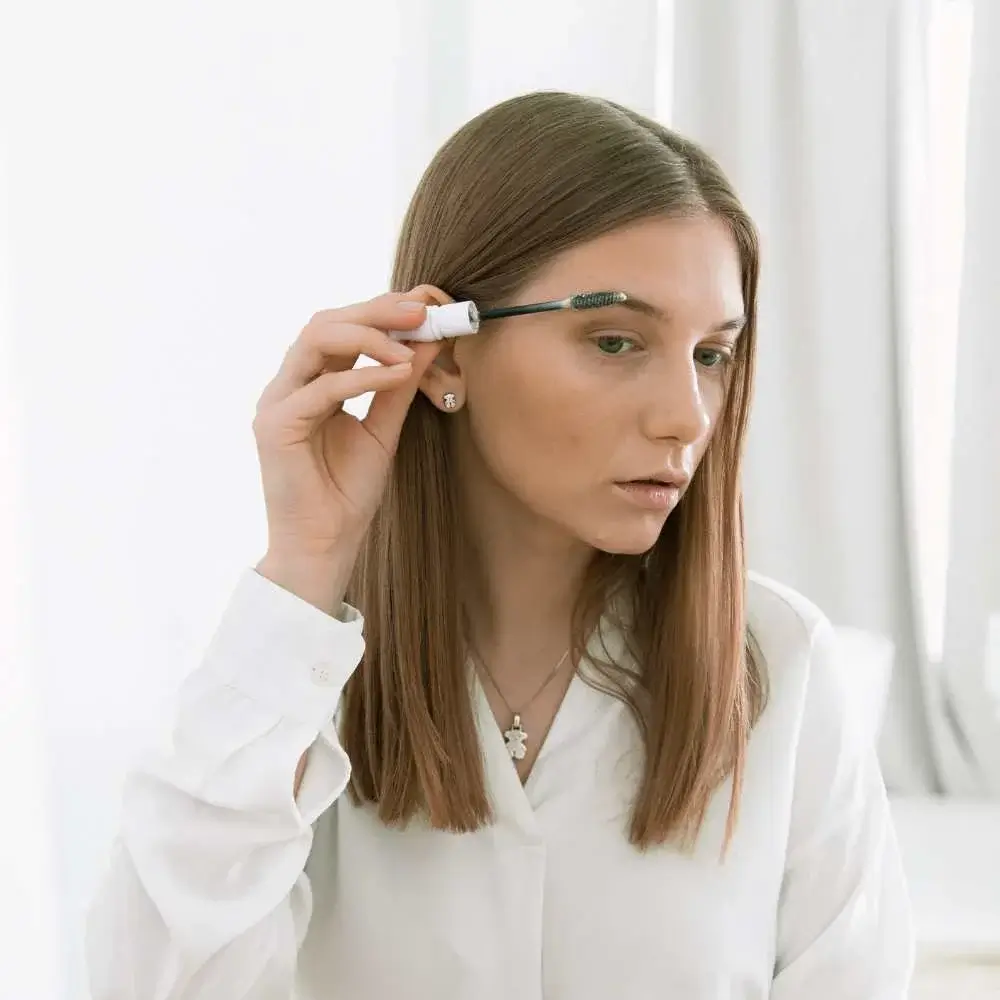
point(383, 311)
point(334, 338)
point(388, 409)
point(295, 416)
point(318, 375)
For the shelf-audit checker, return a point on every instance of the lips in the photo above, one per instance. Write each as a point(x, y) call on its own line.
point(649, 494)
point(676, 480)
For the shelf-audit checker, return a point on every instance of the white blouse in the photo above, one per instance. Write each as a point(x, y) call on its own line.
point(223, 886)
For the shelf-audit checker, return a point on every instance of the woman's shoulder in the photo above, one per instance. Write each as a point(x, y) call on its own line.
point(784, 624)
point(774, 605)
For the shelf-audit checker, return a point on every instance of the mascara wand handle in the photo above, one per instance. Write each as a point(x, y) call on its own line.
point(456, 319)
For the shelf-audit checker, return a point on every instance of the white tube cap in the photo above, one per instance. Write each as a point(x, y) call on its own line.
point(456, 319)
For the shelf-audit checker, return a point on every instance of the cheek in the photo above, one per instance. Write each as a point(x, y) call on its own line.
point(526, 422)
point(715, 403)
point(714, 395)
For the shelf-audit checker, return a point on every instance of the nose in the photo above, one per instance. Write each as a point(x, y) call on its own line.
point(676, 407)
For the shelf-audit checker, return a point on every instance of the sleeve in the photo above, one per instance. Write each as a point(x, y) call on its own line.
point(205, 894)
point(844, 923)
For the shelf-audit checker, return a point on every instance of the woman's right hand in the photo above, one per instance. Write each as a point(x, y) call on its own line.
point(324, 471)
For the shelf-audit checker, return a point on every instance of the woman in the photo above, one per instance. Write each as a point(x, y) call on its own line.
point(578, 752)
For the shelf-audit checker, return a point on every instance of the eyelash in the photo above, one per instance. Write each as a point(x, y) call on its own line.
point(725, 356)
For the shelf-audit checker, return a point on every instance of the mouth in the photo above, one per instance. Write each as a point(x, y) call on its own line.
point(658, 493)
point(670, 480)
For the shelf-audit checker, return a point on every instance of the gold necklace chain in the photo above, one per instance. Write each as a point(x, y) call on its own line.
point(516, 737)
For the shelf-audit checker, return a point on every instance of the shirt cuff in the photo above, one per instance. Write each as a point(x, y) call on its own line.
point(283, 652)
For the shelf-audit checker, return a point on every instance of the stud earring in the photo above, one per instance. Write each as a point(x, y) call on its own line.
point(450, 401)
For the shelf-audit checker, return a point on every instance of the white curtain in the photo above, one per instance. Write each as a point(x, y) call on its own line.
point(971, 663)
point(821, 112)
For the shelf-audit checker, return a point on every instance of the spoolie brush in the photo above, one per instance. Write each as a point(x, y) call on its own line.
point(587, 300)
point(457, 319)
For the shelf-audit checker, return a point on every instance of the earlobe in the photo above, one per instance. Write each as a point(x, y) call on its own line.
point(442, 380)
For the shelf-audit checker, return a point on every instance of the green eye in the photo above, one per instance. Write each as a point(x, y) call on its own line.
point(712, 358)
point(613, 345)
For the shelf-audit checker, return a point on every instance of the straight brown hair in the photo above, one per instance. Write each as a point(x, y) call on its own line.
point(522, 182)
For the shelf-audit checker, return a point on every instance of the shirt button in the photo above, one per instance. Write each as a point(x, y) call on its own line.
point(322, 675)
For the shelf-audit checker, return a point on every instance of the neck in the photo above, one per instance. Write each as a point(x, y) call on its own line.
point(524, 580)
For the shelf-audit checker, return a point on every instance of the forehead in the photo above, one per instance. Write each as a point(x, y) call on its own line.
point(676, 264)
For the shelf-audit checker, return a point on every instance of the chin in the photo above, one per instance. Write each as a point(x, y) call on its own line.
point(626, 549)
point(626, 540)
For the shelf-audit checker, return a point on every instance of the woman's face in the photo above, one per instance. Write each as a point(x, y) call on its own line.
point(561, 410)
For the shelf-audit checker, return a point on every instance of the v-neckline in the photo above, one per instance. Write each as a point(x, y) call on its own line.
point(516, 803)
point(513, 800)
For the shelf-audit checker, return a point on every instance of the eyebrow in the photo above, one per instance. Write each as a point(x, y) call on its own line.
point(638, 305)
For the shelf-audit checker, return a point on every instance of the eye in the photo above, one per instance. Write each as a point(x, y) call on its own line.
point(613, 344)
point(713, 357)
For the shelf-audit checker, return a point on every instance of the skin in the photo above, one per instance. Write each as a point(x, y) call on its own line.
point(555, 408)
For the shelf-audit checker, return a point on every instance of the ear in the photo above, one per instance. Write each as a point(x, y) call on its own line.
point(442, 381)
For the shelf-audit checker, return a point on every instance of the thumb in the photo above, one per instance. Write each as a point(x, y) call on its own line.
point(389, 407)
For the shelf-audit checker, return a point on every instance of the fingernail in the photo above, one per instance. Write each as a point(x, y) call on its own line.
point(408, 305)
point(402, 352)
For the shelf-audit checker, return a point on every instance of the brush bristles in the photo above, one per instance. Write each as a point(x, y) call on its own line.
point(586, 300)
point(597, 300)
